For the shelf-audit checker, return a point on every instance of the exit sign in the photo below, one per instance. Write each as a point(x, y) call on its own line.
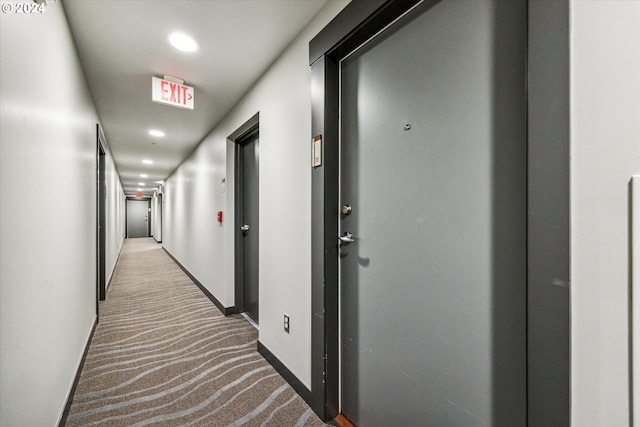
point(171, 93)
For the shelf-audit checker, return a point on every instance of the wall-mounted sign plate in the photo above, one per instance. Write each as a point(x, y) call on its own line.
point(172, 93)
point(317, 151)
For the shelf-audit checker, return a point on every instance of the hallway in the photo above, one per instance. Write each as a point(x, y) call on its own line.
point(409, 152)
point(163, 354)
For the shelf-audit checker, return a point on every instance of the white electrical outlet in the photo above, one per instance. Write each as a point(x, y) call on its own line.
point(286, 323)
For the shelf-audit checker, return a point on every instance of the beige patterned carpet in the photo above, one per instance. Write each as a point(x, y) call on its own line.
point(164, 355)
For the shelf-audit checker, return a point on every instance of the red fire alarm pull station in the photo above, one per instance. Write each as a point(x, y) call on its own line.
point(220, 217)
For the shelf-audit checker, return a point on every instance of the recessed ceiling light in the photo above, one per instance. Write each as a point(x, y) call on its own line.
point(144, 175)
point(159, 182)
point(141, 183)
point(183, 42)
point(154, 132)
point(147, 162)
point(140, 189)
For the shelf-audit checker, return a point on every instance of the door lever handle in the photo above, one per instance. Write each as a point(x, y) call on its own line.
point(346, 238)
point(245, 228)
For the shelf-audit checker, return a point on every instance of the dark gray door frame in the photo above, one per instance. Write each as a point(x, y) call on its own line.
point(101, 215)
point(159, 214)
point(548, 210)
point(238, 137)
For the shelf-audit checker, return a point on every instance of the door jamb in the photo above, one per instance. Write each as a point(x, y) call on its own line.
point(548, 195)
point(149, 219)
point(159, 213)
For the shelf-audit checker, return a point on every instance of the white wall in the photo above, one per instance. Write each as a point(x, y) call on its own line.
point(193, 196)
point(47, 216)
point(605, 145)
point(156, 217)
point(115, 216)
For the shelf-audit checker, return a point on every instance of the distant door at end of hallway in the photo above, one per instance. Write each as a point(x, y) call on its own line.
point(249, 160)
point(137, 218)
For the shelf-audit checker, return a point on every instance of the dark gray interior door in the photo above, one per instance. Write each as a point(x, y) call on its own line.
point(102, 227)
point(250, 152)
point(137, 218)
point(433, 224)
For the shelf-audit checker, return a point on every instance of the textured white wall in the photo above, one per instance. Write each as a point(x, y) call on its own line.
point(155, 216)
point(194, 196)
point(115, 216)
point(47, 216)
point(605, 146)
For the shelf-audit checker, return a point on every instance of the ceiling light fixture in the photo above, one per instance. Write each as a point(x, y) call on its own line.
point(183, 42)
point(140, 189)
point(144, 175)
point(154, 132)
point(141, 183)
point(147, 162)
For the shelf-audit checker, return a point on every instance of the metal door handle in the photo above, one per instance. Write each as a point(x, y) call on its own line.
point(346, 238)
point(245, 228)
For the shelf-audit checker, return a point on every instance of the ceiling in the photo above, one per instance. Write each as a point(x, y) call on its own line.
point(123, 43)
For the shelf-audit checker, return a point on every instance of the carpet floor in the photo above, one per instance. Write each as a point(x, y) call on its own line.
point(164, 355)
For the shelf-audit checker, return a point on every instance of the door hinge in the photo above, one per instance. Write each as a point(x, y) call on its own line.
point(324, 369)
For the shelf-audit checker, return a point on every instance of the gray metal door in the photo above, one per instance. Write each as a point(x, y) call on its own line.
point(432, 231)
point(137, 218)
point(250, 152)
point(102, 226)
